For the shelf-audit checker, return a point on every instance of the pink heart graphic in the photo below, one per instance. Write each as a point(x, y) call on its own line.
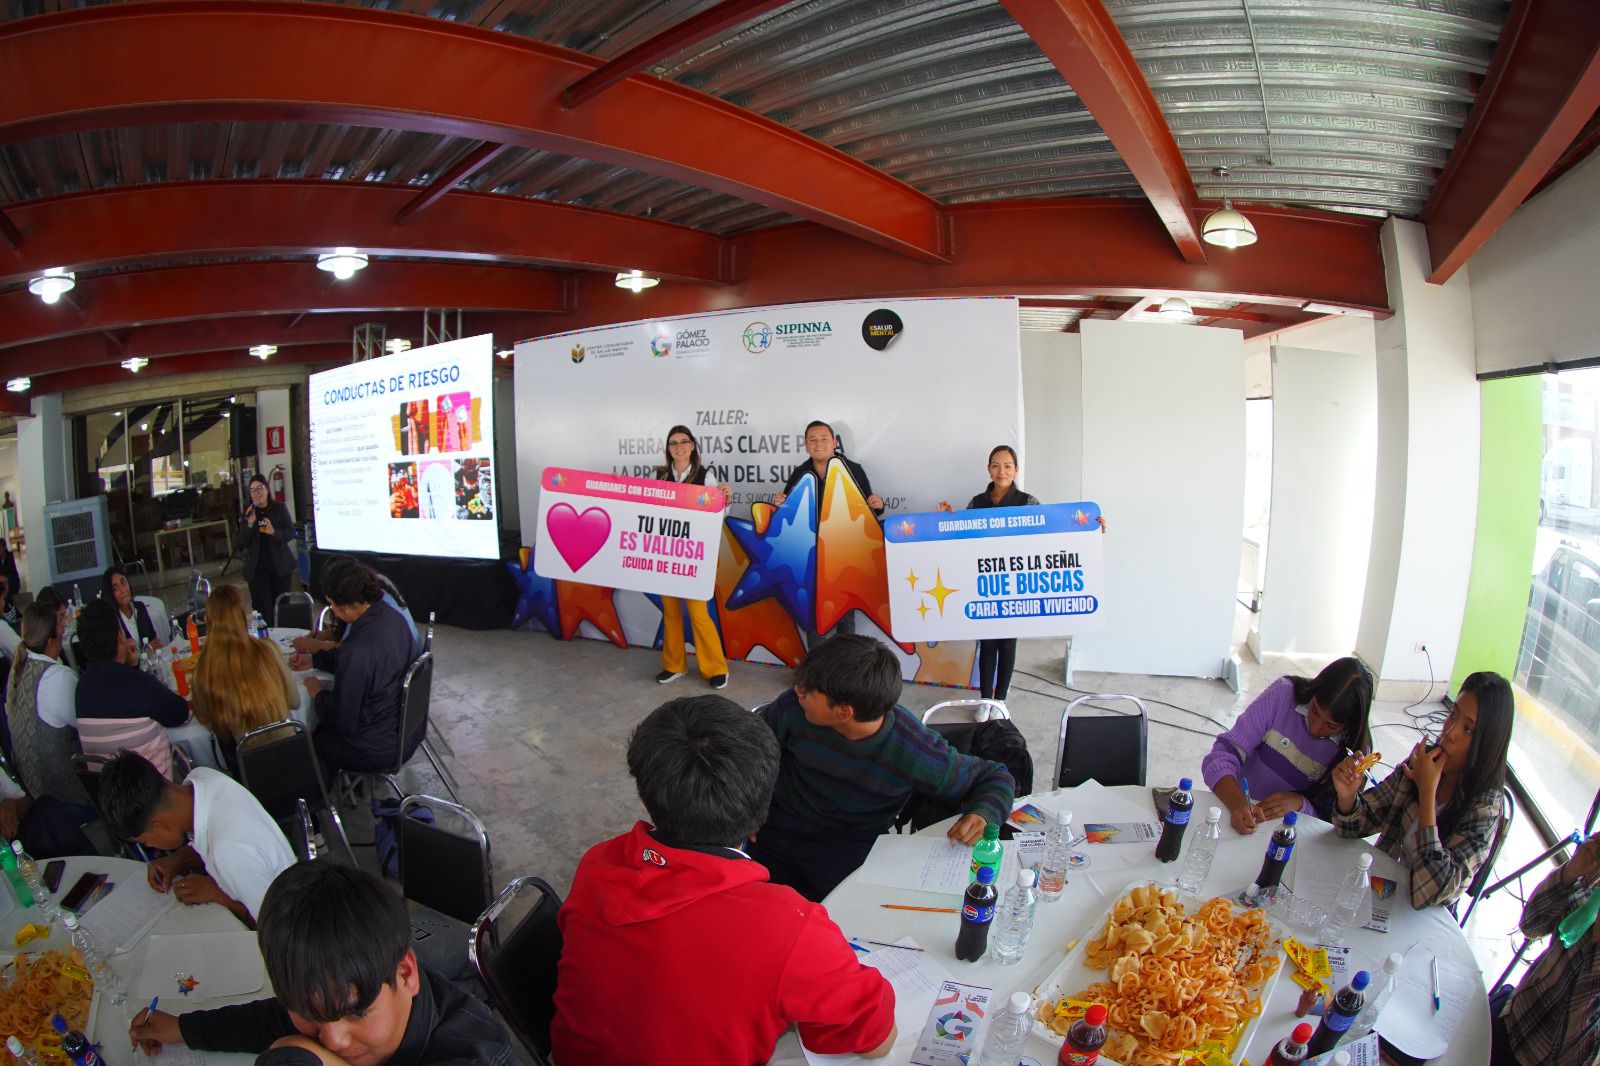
point(577, 536)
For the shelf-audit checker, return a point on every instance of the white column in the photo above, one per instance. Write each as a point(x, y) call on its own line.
point(42, 450)
point(1425, 503)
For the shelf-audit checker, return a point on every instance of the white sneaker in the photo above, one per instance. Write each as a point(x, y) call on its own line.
point(980, 713)
point(1002, 711)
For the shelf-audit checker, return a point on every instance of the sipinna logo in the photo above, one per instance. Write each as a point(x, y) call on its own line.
point(757, 337)
point(577, 353)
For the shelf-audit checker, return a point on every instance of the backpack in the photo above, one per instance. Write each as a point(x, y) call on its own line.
point(386, 833)
point(997, 740)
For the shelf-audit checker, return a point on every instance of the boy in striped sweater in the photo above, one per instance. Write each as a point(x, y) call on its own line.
point(851, 758)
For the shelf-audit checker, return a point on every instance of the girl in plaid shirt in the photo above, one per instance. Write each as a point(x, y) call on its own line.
point(1439, 810)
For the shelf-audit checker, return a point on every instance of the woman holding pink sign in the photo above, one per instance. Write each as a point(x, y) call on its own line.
point(683, 466)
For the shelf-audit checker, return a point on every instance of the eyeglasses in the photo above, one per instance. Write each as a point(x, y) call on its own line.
point(679, 443)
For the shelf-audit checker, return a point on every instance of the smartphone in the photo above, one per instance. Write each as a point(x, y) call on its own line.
point(81, 891)
point(52, 874)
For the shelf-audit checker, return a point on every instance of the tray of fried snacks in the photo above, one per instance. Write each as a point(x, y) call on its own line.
point(36, 984)
point(1182, 981)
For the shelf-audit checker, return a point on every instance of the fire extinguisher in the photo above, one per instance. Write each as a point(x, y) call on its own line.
point(279, 488)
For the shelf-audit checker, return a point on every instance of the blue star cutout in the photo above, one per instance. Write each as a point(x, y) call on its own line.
point(783, 562)
point(688, 633)
point(536, 598)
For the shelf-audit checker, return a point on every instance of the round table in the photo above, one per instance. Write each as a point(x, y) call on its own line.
point(856, 907)
point(110, 1023)
point(199, 743)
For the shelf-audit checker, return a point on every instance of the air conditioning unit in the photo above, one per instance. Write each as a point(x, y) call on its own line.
point(78, 539)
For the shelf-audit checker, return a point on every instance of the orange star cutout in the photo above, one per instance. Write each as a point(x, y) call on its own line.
point(852, 571)
point(948, 662)
point(589, 603)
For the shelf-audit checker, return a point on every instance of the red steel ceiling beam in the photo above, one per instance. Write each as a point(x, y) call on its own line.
point(179, 294)
point(691, 31)
point(177, 220)
point(475, 161)
point(9, 232)
point(194, 363)
point(187, 61)
point(1082, 40)
point(1543, 85)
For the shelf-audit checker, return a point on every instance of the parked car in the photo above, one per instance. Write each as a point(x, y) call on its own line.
point(1560, 657)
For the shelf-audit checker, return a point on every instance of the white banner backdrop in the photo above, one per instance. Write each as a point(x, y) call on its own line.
point(918, 391)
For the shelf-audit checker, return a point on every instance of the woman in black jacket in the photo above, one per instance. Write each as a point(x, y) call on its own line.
point(134, 615)
point(265, 530)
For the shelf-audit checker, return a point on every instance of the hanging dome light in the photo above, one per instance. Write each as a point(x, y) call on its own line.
point(1176, 308)
point(19, 384)
point(1227, 228)
point(136, 364)
point(397, 345)
point(53, 284)
point(342, 263)
point(636, 280)
point(263, 351)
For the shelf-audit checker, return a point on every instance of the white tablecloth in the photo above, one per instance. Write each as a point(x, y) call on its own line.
point(197, 741)
point(855, 907)
point(110, 1028)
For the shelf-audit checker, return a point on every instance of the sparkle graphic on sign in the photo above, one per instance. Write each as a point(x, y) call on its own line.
point(922, 608)
point(939, 591)
point(912, 579)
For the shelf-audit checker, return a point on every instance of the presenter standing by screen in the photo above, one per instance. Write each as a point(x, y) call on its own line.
point(683, 466)
point(265, 530)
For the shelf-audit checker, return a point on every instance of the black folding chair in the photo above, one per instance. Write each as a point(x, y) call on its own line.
point(293, 610)
point(303, 835)
point(441, 867)
point(518, 965)
point(415, 692)
point(1109, 748)
point(279, 766)
point(1480, 879)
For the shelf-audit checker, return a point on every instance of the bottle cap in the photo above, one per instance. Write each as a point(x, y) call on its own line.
point(1360, 980)
point(1302, 1033)
point(1063, 817)
point(1214, 814)
point(70, 921)
point(1393, 962)
point(1291, 818)
point(58, 1023)
point(14, 1046)
point(1185, 783)
point(986, 875)
point(1341, 1058)
point(16, 847)
point(1096, 1014)
point(1365, 862)
point(991, 832)
point(1025, 878)
point(1020, 1003)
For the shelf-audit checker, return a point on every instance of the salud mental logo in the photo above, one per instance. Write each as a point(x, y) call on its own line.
point(881, 328)
point(757, 337)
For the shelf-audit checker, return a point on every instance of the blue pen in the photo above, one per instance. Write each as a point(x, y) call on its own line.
point(149, 1012)
point(1434, 969)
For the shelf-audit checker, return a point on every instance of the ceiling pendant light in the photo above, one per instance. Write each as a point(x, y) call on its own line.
point(398, 345)
point(19, 384)
point(1176, 308)
point(342, 263)
point(136, 364)
point(53, 284)
point(1226, 227)
point(637, 281)
point(263, 351)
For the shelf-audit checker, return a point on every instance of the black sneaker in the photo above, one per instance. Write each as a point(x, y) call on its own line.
point(667, 677)
point(719, 681)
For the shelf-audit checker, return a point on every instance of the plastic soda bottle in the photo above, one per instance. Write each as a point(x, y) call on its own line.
point(1291, 1050)
point(1197, 864)
point(1085, 1038)
point(74, 1044)
point(1339, 1015)
point(977, 915)
point(21, 1055)
point(1057, 857)
point(1176, 822)
point(1279, 848)
point(987, 852)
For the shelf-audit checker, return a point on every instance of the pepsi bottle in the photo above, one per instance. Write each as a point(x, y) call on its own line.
point(1338, 1016)
point(977, 915)
point(74, 1045)
point(1279, 848)
point(1176, 821)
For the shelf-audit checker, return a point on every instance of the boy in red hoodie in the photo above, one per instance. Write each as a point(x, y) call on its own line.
point(674, 941)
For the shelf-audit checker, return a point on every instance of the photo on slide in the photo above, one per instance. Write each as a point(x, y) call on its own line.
point(436, 488)
point(453, 426)
point(474, 488)
point(402, 490)
point(415, 428)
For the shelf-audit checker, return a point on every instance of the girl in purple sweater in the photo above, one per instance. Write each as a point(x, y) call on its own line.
point(1287, 743)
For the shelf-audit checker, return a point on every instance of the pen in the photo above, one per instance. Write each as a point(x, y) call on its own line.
point(1434, 970)
point(927, 910)
point(149, 1012)
point(881, 944)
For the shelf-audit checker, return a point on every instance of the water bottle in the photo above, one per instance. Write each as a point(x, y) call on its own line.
point(1292, 1050)
point(1388, 978)
point(74, 1045)
point(1057, 857)
point(77, 597)
point(1197, 866)
point(1338, 1016)
point(21, 1055)
point(1015, 920)
point(97, 962)
point(1279, 848)
point(19, 884)
point(1352, 891)
point(987, 852)
point(1008, 1033)
point(1176, 822)
point(977, 915)
point(29, 870)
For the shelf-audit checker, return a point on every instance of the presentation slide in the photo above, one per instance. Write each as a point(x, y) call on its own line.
point(402, 452)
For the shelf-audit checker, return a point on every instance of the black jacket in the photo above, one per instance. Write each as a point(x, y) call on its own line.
point(143, 626)
point(117, 690)
point(368, 668)
point(1014, 497)
point(275, 547)
point(446, 1027)
point(856, 470)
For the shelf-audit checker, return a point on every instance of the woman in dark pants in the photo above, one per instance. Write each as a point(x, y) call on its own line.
point(265, 530)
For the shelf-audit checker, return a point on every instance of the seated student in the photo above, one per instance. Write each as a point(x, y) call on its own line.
point(679, 902)
point(1438, 811)
point(41, 710)
point(851, 759)
point(1287, 743)
point(327, 639)
point(337, 945)
point(47, 827)
point(52, 599)
point(359, 721)
point(234, 847)
point(242, 682)
point(10, 622)
point(119, 706)
point(133, 615)
point(1553, 1017)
